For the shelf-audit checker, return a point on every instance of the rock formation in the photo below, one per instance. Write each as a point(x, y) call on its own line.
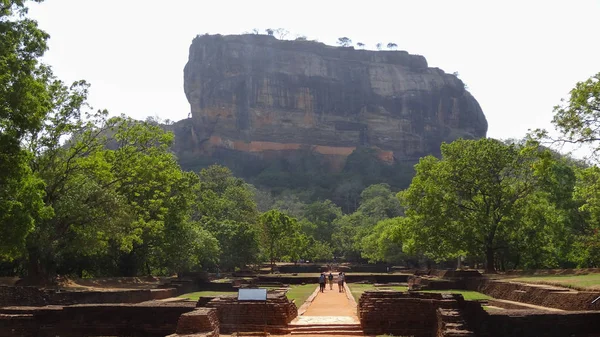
point(260, 95)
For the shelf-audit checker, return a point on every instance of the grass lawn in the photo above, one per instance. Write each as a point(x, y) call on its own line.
point(358, 288)
point(467, 294)
point(588, 282)
point(298, 293)
point(195, 296)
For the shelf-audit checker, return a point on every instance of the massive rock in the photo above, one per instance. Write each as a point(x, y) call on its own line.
point(260, 95)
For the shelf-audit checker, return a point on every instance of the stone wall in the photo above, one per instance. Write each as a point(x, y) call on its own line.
point(146, 319)
point(403, 314)
point(32, 296)
point(350, 278)
point(546, 296)
point(430, 314)
point(451, 323)
point(274, 314)
point(521, 323)
point(200, 322)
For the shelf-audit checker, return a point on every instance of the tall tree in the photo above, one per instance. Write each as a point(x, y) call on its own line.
point(344, 41)
point(25, 99)
point(472, 200)
point(279, 235)
point(578, 119)
point(226, 208)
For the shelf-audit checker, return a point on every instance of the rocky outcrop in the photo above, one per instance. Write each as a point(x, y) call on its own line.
point(259, 95)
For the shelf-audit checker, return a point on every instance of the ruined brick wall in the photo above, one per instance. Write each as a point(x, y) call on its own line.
point(538, 295)
point(350, 278)
point(521, 323)
point(419, 282)
point(148, 319)
point(32, 296)
point(200, 322)
point(451, 323)
point(243, 316)
point(403, 314)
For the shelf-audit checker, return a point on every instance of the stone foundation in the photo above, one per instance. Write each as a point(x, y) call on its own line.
point(32, 296)
point(444, 315)
point(148, 319)
point(200, 322)
point(244, 316)
point(522, 323)
point(546, 296)
point(403, 314)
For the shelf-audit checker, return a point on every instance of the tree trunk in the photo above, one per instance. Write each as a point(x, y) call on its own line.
point(38, 271)
point(489, 257)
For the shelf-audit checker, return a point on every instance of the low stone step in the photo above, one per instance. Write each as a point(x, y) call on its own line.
point(353, 325)
point(458, 333)
point(324, 328)
point(330, 333)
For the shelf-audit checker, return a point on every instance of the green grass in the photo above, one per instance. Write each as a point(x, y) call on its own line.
point(196, 295)
point(467, 294)
point(358, 288)
point(298, 293)
point(587, 282)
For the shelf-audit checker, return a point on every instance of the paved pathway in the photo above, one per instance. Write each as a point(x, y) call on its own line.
point(332, 303)
point(331, 313)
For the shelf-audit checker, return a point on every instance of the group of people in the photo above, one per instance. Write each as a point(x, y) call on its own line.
point(323, 279)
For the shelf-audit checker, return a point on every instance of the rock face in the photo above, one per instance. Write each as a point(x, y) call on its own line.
point(260, 95)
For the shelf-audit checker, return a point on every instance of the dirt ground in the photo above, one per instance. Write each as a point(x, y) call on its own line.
point(106, 283)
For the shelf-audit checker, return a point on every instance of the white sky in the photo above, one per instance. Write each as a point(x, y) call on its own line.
point(518, 58)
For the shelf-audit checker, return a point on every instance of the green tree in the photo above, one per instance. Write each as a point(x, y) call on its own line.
point(323, 215)
point(586, 250)
point(344, 42)
point(578, 119)
point(472, 200)
point(25, 99)
point(279, 235)
point(226, 208)
point(115, 183)
point(385, 242)
point(379, 203)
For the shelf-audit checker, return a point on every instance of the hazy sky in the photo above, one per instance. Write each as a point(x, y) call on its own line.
point(518, 58)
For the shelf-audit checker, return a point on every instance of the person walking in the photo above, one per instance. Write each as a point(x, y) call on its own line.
point(330, 277)
point(322, 282)
point(341, 282)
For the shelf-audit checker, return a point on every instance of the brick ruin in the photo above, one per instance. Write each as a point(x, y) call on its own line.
point(202, 322)
point(411, 314)
point(139, 313)
point(449, 315)
point(274, 315)
point(150, 319)
point(33, 296)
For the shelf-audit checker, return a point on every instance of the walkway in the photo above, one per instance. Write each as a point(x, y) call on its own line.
point(329, 313)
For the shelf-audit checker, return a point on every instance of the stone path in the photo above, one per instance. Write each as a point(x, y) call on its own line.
point(329, 313)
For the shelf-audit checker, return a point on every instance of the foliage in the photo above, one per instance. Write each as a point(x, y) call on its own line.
point(578, 120)
point(384, 243)
point(344, 41)
point(475, 200)
point(280, 236)
point(392, 46)
point(226, 208)
point(25, 99)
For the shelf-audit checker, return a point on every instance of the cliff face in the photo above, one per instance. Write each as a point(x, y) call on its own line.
point(257, 94)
